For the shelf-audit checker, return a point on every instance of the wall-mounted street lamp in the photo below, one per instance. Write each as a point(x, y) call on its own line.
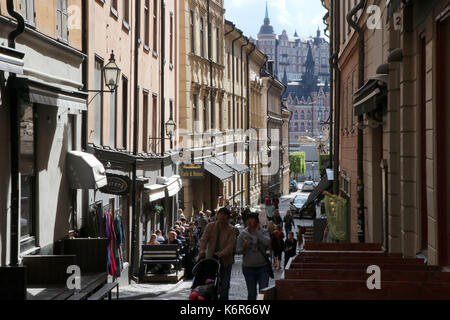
point(111, 74)
point(170, 130)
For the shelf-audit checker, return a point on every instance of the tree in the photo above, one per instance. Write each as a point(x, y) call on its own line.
point(324, 161)
point(298, 162)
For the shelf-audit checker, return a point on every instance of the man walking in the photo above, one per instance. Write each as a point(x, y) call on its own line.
point(219, 240)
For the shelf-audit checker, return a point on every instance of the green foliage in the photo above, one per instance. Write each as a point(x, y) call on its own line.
point(298, 162)
point(323, 159)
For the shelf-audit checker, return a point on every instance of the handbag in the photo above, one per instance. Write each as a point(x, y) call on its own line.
point(269, 263)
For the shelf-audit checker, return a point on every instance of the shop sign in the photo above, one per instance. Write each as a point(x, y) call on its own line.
point(192, 171)
point(117, 185)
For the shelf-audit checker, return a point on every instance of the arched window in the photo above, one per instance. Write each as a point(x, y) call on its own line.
point(296, 115)
point(303, 127)
point(302, 115)
point(309, 115)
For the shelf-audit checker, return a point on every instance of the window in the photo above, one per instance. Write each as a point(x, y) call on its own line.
point(98, 102)
point(27, 8)
point(296, 115)
point(114, 5)
point(205, 113)
point(221, 116)
point(230, 115)
point(229, 65)
point(126, 11)
point(112, 121)
point(302, 115)
point(350, 103)
point(62, 19)
point(124, 112)
point(213, 115)
point(27, 170)
point(202, 38)
point(145, 121)
point(194, 112)
point(218, 45)
point(155, 25)
point(147, 24)
point(192, 32)
point(302, 126)
point(155, 122)
point(237, 70)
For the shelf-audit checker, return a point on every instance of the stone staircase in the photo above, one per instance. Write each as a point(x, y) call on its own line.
point(309, 235)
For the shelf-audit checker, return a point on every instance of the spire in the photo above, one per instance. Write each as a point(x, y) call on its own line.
point(295, 34)
point(267, 19)
point(318, 32)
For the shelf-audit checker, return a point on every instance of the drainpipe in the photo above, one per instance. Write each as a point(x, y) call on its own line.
point(331, 84)
point(234, 98)
point(336, 30)
point(135, 214)
point(360, 31)
point(14, 142)
point(163, 87)
point(242, 94)
point(248, 120)
point(84, 35)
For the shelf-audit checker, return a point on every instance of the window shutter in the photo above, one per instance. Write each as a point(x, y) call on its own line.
point(64, 17)
point(30, 11)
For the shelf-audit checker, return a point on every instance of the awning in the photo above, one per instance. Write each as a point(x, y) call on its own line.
point(234, 163)
point(85, 171)
point(217, 171)
point(11, 60)
point(372, 96)
point(55, 99)
point(318, 193)
point(156, 191)
point(164, 187)
point(44, 94)
point(173, 184)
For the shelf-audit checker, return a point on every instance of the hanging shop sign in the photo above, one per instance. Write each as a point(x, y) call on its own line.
point(117, 185)
point(192, 171)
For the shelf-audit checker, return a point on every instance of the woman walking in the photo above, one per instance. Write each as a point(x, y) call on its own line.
point(290, 248)
point(253, 243)
point(289, 223)
point(277, 219)
point(277, 246)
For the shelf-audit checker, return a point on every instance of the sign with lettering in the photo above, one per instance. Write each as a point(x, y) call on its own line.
point(192, 171)
point(117, 185)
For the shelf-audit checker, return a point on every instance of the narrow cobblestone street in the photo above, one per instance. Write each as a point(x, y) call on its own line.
point(181, 290)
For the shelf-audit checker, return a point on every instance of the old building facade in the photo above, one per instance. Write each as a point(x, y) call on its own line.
point(397, 116)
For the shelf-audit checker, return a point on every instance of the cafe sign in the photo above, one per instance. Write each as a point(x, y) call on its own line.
point(192, 171)
point(117, 185)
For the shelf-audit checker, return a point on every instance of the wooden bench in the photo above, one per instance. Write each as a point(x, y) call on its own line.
point(318, 246)
point(357, 290)
point(159, 254)
point(47, 276)
point(105, 291)
point(92, 258)
point(386, 275)
point(13, 283)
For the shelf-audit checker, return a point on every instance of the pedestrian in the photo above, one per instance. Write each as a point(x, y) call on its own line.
point(202, 222)
point(276, 203)
point(245, 213)
point(181, 214)
point(269, 208)
point(290, 249)
point(289, 223)
point(153, 241)
point(253, 243)
point(208, 216)
point(277, 246)
point(159, 237)
point(218, 241)
point(277, 218)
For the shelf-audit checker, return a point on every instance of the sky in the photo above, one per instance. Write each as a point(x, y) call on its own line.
point(290, 15)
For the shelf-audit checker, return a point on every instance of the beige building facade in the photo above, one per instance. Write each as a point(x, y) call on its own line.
point(405, 181)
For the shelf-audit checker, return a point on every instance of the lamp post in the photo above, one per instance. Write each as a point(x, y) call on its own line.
point(170, 130)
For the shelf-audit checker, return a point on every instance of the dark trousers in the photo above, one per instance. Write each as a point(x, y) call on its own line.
point(255, 277)
point(225, 279)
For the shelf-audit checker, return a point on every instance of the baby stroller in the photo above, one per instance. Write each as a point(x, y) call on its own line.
point(206, 280)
